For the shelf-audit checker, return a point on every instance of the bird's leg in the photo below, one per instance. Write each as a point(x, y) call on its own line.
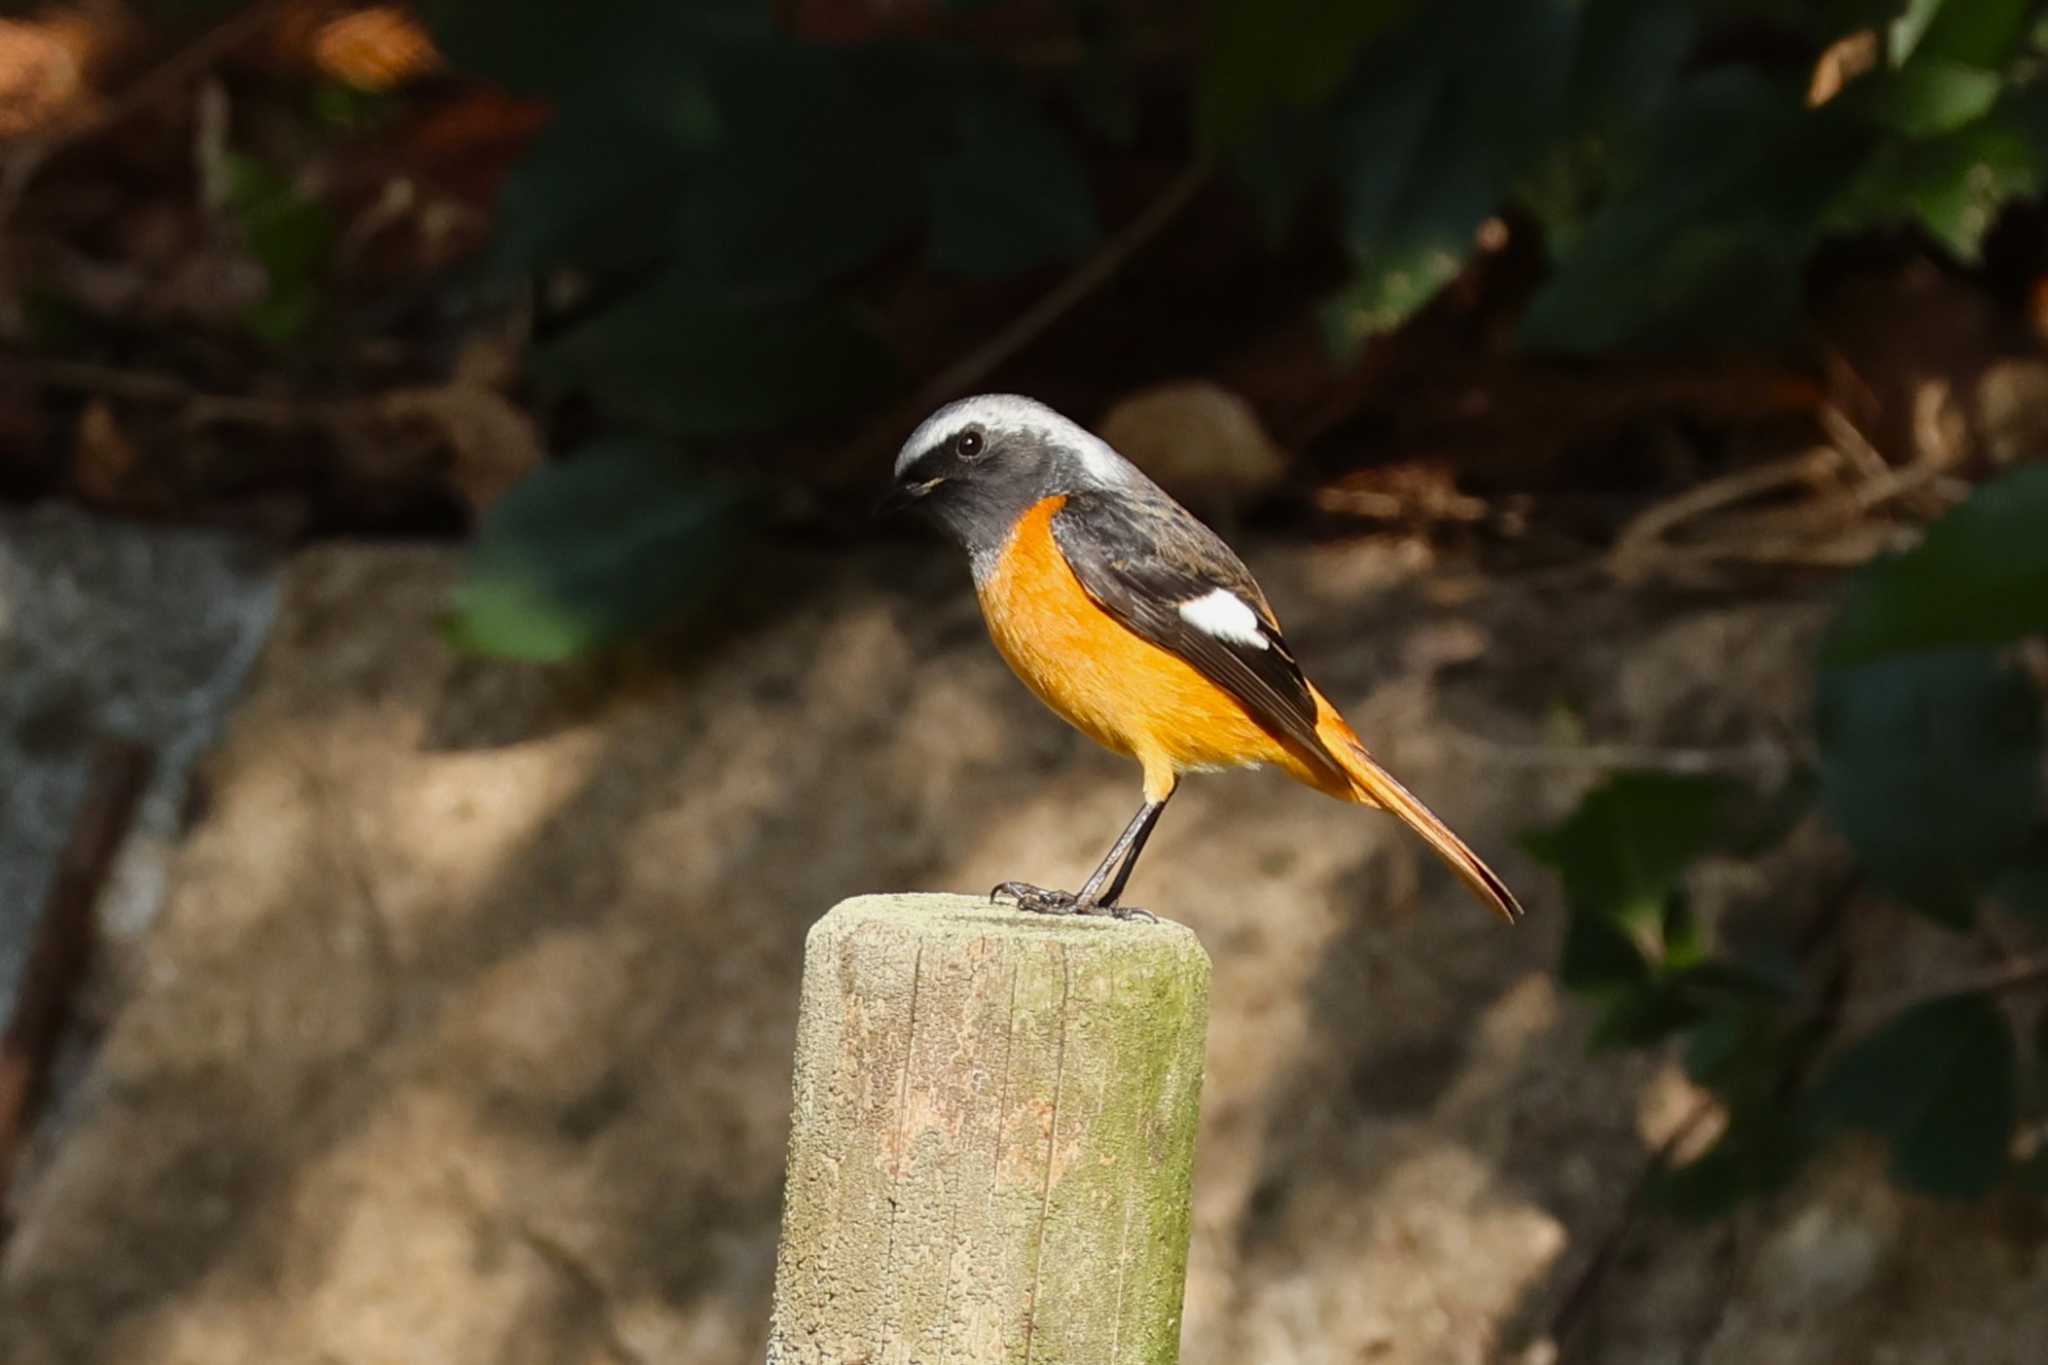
point(1115, 870)
point(1147, 819)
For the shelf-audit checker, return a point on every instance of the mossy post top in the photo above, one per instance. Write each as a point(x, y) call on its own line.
point(950, 915)
point(993, 1139)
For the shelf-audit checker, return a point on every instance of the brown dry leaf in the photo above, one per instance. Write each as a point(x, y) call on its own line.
point(1844, 60)
point(1203, 443)
point(21, 423)
point(1414, 491)
point(380, 48)
point(103, 459)
point(494, 443)
point(489, 360)
point(2012, 409)
point(214, 287)
point(40, 75)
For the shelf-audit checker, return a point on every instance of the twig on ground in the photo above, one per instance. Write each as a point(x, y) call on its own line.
point(64, 939)
point(197, 408)
point(1833, 529)
point(1643, 540)
point(1848, 439)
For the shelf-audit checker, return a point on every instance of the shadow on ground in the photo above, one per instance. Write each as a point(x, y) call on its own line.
point(466, 1035)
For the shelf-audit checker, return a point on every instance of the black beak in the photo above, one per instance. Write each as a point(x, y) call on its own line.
point(904, 495)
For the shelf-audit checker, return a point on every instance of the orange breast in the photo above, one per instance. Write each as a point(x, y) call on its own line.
point(1121, 691)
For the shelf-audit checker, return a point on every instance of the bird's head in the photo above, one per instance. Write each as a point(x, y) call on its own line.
point(977, 465)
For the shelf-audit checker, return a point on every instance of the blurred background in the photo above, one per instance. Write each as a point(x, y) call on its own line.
point(446, 663)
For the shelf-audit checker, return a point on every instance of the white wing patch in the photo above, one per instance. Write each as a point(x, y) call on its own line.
point(1226, 616)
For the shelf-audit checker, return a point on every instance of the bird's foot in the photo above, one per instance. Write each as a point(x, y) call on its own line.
point(1040, 900)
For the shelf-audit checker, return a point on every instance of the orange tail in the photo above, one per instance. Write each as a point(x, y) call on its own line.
point(1373, 785)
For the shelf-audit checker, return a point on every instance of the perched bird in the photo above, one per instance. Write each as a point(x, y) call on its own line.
point(1137, 624)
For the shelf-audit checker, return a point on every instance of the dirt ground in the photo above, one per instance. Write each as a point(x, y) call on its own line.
point(465, 1036)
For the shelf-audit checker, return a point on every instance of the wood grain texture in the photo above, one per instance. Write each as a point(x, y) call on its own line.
point(993, 1138)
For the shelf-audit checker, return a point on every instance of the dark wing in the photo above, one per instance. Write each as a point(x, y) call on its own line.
point(1142, 557)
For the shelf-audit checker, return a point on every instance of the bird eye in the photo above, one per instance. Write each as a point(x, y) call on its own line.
point(967, 444)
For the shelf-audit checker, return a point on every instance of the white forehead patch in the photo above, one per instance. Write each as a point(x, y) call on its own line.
point(1000, 412)
point(1226, 616)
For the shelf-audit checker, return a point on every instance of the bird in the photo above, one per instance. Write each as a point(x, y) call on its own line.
point(1136, 624)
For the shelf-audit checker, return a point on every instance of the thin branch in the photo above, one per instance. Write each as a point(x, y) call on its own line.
point(1644, 539)
point(65, 936)
point(1583, 1296)
point(197, 408)
point(1849, 439)
point(971, 369)
point(1585, 1291)
point(1832, 530)
point(2019, 975)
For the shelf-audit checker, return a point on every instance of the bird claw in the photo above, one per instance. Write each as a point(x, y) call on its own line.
point(1039, 900)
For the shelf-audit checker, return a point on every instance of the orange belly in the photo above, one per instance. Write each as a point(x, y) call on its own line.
point(1119, 690)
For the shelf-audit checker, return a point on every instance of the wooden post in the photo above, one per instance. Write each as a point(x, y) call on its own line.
point(994, 1133)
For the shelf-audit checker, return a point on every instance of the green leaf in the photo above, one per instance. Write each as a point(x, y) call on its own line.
point(1956, 184)
point(1979, 578)
point(1760, 1151)
point(1624, 849)
point(1640, 1018)
point(1600, 957)
point(1723, 981)
point(1008, 194)
point(596, 188)
point(686, 365)
point(1985, 33)
point(1729, 1045)
point(1686, 996)
point(290, 235)
point(1628, 57)
point(1621, 855)
point(1930, 764)
point(1279, 166)
point(1709, 241)
point(1432, 133)
point(678, 138)
point(2023, 890)
point(1261, 57)
point(1625, 66)
point(800, 191)
point(1962, 138)
point(620, 49)
point(1930, 96)
point(1391, 284)
point(1938, 1081)
point(1903, 34)
point(589, 550)
point(1103, 92)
